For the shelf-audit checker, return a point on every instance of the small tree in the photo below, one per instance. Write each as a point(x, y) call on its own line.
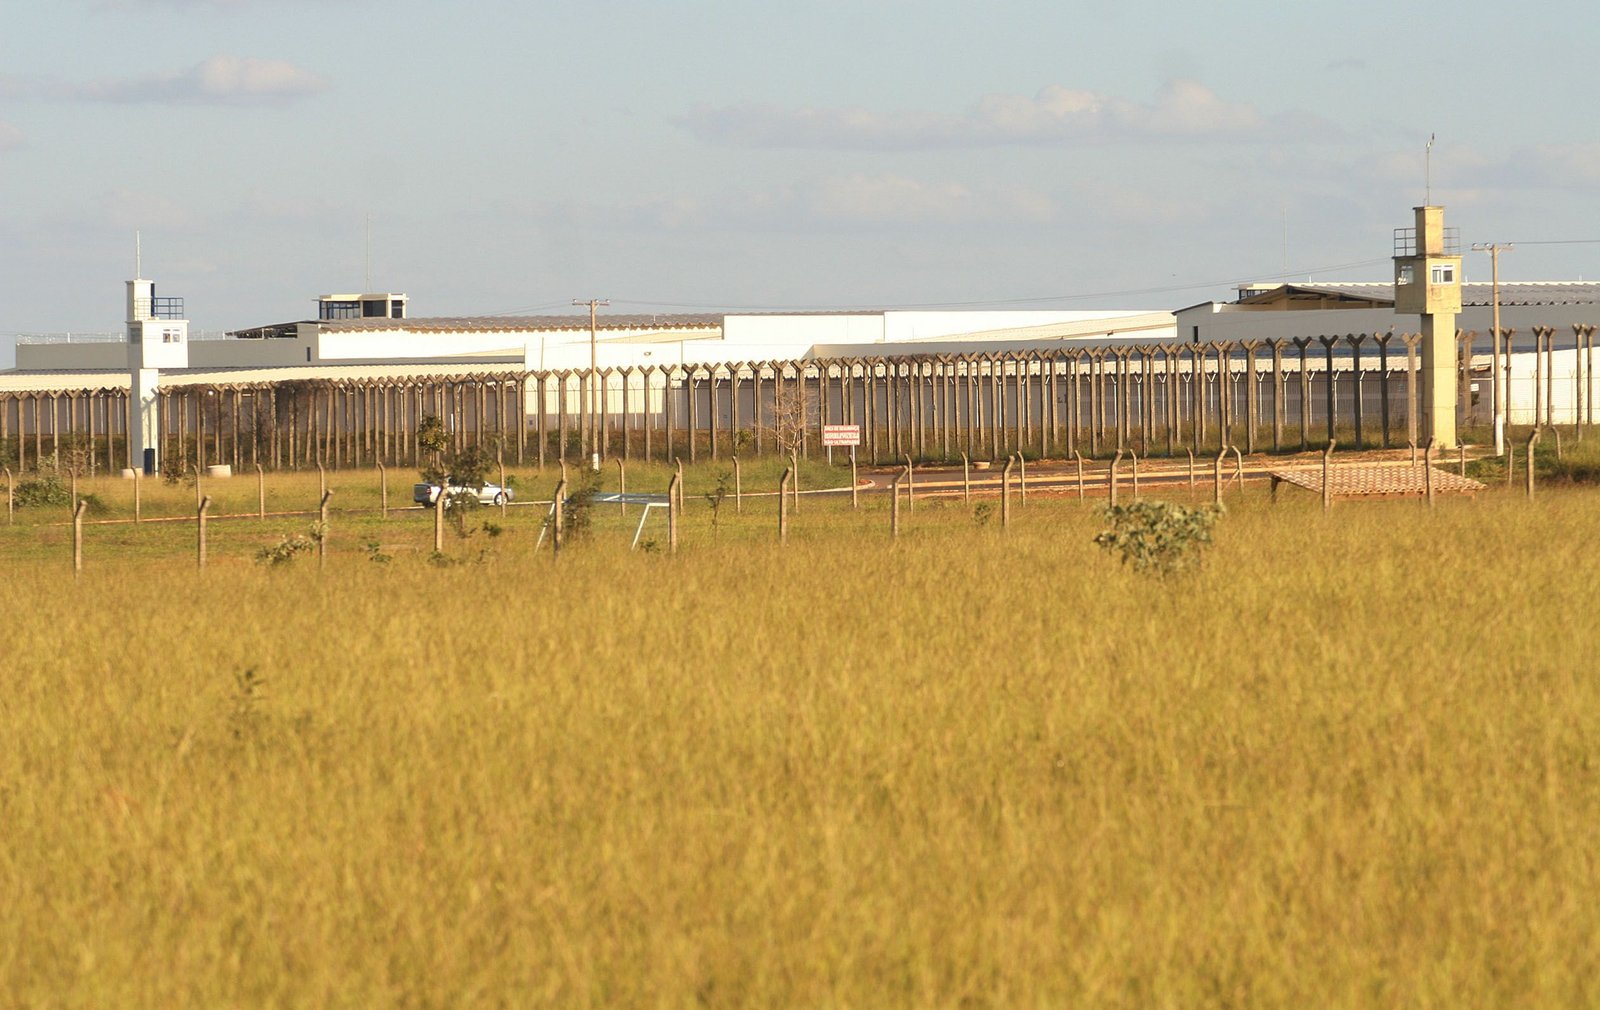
point(1159, 537)
point(792, 407)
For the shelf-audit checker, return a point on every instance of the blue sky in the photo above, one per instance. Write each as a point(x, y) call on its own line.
point(516, 155)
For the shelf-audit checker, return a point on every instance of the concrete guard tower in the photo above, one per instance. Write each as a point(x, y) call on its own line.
point(1427, 282)
point(158, 337)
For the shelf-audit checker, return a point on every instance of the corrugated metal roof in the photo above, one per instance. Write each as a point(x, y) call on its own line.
point(1472, 292)
point(503, 324)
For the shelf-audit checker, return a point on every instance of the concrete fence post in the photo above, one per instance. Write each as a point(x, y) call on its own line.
point(11, 497)
point(673, 491)
point(261, 490)
point(200, 531)
point(77, 536)
point(783, 504)
point(383, 489)
point(738, 487)
point(966, 480)
point(322, 529)
point(1111, 477)
point(1081, 489)
point(1427, 470)
point(1005, 493)
point(1533, 440)
point(894, 508)
point(911, 485)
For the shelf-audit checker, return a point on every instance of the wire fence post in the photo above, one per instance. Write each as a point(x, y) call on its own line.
point(1216, 476)
point(322, 529)
point(1427, 470)
point(383, 489)
point(1022, 478)
point(438, 520)
point(794, 485)
point(1005, 492)
point(855, 483)
point(1135, 457)
point(11, 498)
point(1533, 440)
point(322, 479)
point(911, 485)
point(622, 488)
point(783, 504)
point(1111, 478)
point(738, 487)
point(261, 491)
point(557, 516)
point(1081, 489)
point(672, 515)
point(77, 536)
point(894, 508)
point(1327, 477)
point(138, 510)
point(200, 531)
point(966, 479)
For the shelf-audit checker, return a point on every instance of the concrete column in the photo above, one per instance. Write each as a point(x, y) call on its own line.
point(1438, 392)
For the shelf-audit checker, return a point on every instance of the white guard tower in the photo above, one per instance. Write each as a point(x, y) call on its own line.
point(158, 337)
point(1427, 282)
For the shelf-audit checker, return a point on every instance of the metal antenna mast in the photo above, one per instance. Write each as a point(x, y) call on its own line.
point(1427, 171)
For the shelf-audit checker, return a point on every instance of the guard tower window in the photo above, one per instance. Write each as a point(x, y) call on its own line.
point(1407, 274)
point(374, 308)
point(1442, 273)
point(171, 336)
point(339, 310)
point(397, 309)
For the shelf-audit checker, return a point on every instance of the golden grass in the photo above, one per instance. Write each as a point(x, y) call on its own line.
point(1349, 763)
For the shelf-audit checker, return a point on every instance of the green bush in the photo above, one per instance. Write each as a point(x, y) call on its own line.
point(1159, 537)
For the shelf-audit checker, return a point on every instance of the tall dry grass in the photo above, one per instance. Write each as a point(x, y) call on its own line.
point(1352, 762)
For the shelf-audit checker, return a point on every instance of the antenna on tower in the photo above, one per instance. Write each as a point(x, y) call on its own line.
point(1427, 172)
point(138, 256)
point(369, 252)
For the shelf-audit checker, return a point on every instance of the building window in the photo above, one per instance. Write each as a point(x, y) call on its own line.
point(171, 336)
point(1443, 273)
point(1406, 275)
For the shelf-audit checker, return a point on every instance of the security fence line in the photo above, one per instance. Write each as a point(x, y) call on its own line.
point(1163, 398)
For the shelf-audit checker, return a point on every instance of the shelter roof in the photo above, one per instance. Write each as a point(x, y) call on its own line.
point(1472, 292)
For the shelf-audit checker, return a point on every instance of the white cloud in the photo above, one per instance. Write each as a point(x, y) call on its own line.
point(1055, 115)
point(220, 80)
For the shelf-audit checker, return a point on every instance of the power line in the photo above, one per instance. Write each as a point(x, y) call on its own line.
point(1167, 289)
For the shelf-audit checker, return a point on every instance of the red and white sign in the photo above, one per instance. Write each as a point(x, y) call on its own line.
point(841, 434)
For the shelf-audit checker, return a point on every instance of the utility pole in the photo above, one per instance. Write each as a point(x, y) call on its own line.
point(1497, 396)
point(594, 375)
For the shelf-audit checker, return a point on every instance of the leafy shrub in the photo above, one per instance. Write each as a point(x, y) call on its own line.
point(285, 550)
point(47, 490)
point(1159, 537)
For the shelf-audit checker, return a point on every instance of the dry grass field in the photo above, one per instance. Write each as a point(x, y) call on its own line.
point(1351, 762)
